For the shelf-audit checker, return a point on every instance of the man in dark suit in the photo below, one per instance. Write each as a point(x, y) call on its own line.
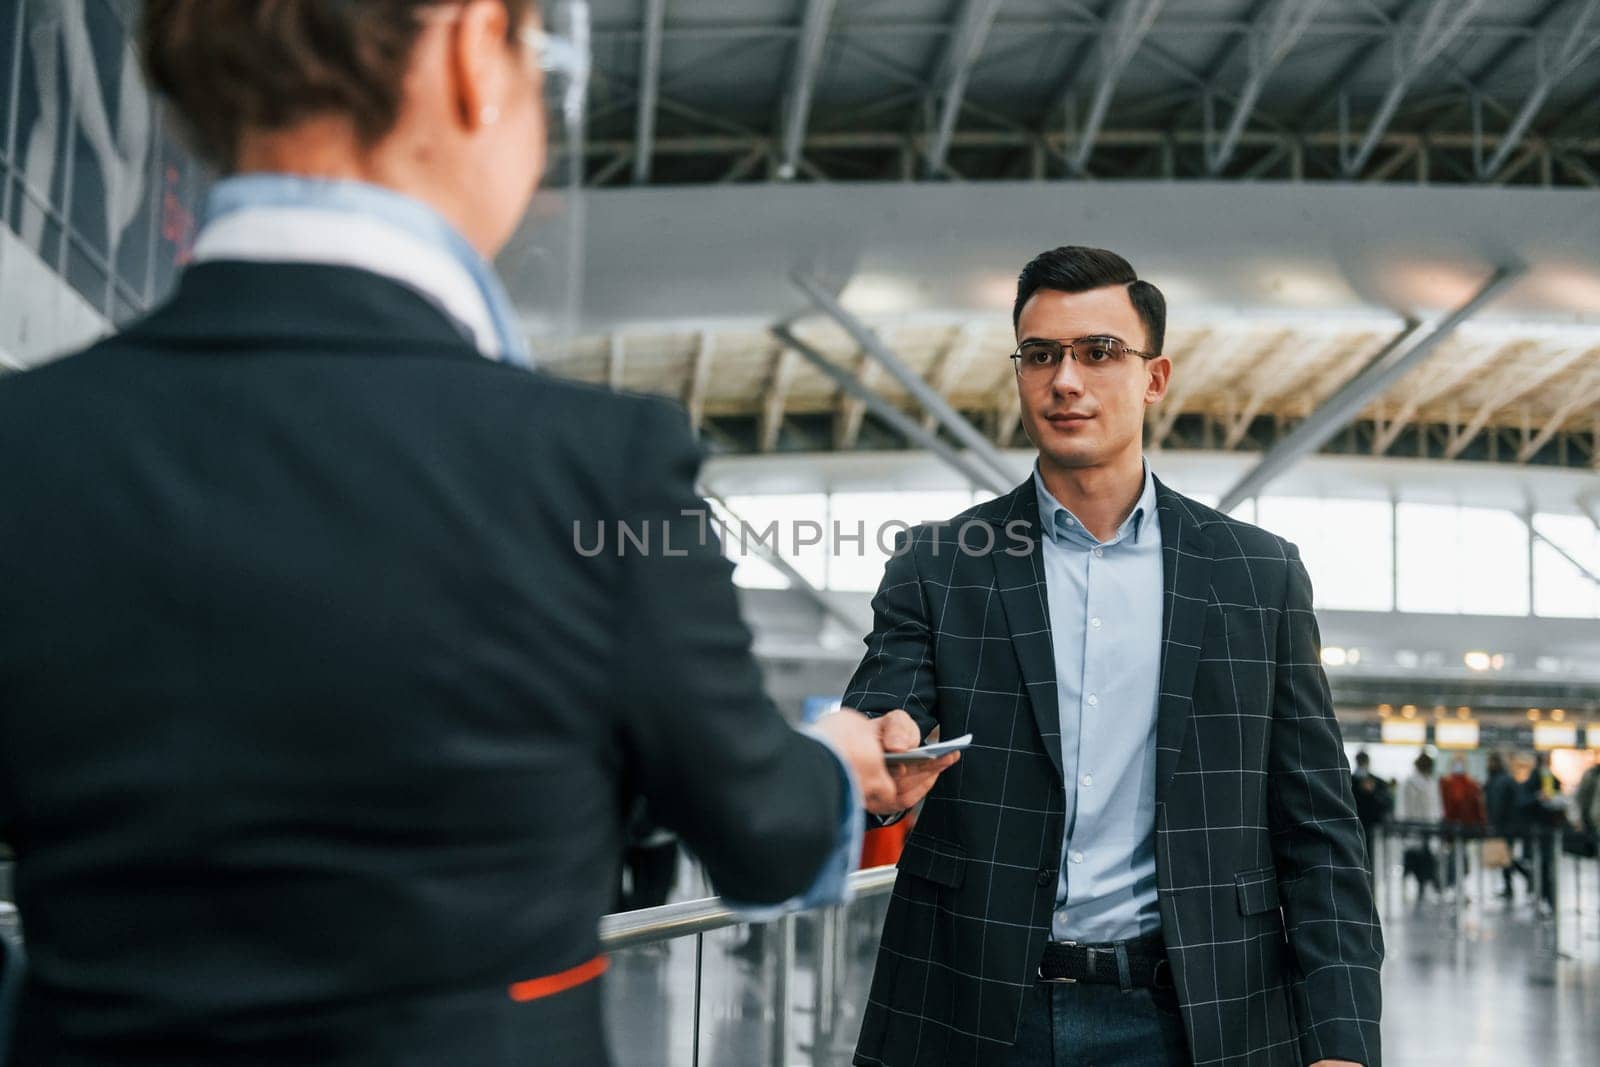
point(1150, 854)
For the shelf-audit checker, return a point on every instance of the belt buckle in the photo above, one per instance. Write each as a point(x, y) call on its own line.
point(1057, 981)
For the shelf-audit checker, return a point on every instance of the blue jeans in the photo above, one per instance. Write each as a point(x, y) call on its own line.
point(1083, 1025)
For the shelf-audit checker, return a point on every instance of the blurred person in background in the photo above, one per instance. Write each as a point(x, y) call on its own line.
point(1501, 804)
point(1374, 802)
point(1422, 804)
point(1544, 816)
point(1462, 803)
point(319, 736)
point(1150, 854)
point(1587, 800)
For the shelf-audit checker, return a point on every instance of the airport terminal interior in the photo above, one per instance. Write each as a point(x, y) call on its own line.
point(1377, 227)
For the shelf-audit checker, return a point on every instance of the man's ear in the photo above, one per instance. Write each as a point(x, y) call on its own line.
point(1160, 370)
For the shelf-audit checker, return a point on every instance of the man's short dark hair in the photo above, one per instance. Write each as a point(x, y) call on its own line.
point(1075, 269)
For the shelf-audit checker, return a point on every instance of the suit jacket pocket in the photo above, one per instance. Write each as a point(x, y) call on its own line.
point(940, 862)
point(1258, 890)
point(1246, 624)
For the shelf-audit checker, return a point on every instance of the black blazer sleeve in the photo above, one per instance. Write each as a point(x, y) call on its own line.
point(897, 671)
point(1318, 845)
point(760, 804)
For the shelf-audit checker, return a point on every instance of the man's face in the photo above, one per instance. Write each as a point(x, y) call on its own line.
point(1085, 415)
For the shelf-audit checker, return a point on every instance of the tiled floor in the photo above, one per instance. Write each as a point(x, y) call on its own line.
point(1473, 989)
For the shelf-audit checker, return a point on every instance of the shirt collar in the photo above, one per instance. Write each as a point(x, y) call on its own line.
point(290, 218)
point(364, 242)
point(1059, 522)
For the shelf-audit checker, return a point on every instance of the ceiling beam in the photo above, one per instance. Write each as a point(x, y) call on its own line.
point(1194, 366)
point(953, 362)
point(1579, 398)
point(852, 410)
point(655, 16)
point(1267, 381)
point(738, 142)
point(1534, 532)
point(899, 421)
point(1577, 42)
point(1506, 393)
point(1083, 23)
point(1125, 30)
point(910, 380)
point(694, 394)
point(777, 396)
point(1008, 415)
point(802, 83)
point(1414, 345)
point(798, 583)
point(1272, 36)
point(1457, 371)
point(616, 361)
point(961, 53)
point(1416, 46)
point(1323, 100)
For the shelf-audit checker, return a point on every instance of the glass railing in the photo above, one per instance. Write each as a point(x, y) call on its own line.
point(690, 984)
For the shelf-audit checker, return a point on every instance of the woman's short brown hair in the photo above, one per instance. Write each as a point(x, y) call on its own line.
point(232, 65)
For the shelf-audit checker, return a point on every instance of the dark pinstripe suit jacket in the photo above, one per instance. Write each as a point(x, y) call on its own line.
point(1265, 905)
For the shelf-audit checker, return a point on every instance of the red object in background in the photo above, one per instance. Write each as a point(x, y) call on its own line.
point(1463, 800)
point(881, 847)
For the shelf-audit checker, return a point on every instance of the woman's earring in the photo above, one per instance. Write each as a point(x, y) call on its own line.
point(489, 115)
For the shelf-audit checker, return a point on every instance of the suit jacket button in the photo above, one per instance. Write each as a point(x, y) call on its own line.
point(1047, 876)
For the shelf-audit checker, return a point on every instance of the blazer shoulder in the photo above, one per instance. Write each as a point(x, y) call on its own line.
point(22, 391)
point(1230, 536)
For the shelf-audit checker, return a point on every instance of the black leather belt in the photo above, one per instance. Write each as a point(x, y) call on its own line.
point(1068, 961)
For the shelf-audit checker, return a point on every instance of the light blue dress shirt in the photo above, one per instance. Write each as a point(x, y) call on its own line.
point(1105, 626)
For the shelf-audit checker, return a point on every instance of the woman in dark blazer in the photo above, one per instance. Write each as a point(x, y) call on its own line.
point(319, 724)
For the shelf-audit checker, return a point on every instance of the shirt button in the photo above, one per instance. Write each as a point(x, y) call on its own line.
point(1095, 623)
point(1088, 780)
point(1077, 857)
point(1092, 700)
point(1099, 552)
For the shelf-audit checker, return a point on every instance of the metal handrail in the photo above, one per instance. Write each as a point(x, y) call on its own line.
point(671, 921)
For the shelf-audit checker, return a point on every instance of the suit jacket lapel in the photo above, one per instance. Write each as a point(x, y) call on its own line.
point(1186, 558)
point(1021, 582)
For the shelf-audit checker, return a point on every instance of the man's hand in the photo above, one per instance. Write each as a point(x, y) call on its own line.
point(898, 732)
point(862, 742)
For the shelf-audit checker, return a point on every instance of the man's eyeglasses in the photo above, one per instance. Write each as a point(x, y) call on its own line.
point(1040, 357)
